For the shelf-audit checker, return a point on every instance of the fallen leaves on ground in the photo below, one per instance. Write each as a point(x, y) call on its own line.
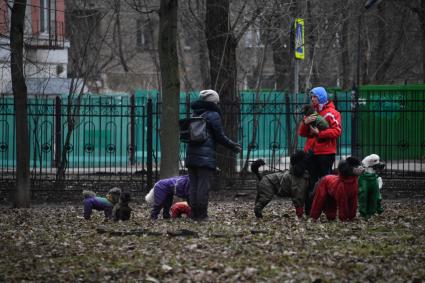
point(53, 244)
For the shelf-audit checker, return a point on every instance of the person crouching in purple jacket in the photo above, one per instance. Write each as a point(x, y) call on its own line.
point(105, 204)
point(162, 194)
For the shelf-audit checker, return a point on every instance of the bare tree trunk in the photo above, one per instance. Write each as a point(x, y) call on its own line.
point(365, 45)
point(72, 120)
point(170, 84)
point(153, 53)
point(22, 196)
point(345, 57)
point(183, 69)
point(291, 143)
point(422, 19)
point(85, 63)
point(203, 49)
point(281, 65)
point(281, 52)
point(311, 41)
point(385, 62)
point(118, 35)
point(244, 169)
point(420, 11)
point(379, 50)
point(222, 52)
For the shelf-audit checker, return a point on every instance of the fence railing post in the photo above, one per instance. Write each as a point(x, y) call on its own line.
point(132, 124)
point(354, 116)
point(58, 131)
point(288, 123)
point(149, 177)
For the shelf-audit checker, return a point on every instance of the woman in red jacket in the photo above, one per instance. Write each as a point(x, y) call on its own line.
point(321, 144)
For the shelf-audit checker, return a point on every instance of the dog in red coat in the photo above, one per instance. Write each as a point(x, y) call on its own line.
point(339, 192)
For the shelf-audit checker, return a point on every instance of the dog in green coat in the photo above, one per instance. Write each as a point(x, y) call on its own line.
point(369, 186)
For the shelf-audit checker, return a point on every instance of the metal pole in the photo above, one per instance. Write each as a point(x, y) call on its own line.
point(354, 92)
point(359, 24)
point(354, 117)
point(132, 124)
point(149, 180)
point(58, 131)
point(296, 76)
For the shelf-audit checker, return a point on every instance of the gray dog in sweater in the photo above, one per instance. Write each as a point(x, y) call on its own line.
point(291, 183)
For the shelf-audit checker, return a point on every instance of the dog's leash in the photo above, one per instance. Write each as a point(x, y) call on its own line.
point(269, 166)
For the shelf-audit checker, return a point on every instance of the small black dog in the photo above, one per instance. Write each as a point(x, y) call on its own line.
point(307, 110)
point(122, 211)
point(292, 183)
point(320, 122)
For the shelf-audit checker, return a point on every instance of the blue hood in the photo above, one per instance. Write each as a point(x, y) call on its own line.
point(321, 94)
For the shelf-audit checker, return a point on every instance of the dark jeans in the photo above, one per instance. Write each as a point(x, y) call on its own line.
point(167, 205)
point(200, 184)
point(319, 166)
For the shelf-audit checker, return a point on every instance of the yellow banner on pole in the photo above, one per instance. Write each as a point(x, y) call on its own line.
point(299, 38)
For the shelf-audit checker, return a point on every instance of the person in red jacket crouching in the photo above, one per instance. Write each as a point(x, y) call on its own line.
point(180, 208)
point(321, 143)
point(338, 192)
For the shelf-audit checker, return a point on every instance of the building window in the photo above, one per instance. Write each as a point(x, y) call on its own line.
point(253, 38)
point(254, 35)
point(44, 16)
point(143, 35)
point(47, 16)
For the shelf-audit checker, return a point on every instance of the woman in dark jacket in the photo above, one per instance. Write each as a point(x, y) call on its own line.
point(200, 158)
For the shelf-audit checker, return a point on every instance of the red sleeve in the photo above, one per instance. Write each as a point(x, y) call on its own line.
point(304, 130)
point(335, 127)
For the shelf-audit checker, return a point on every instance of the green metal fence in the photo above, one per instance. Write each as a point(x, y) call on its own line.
point(110, 130)
point(392, 121)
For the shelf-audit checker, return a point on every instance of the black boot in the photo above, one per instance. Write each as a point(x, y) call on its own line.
point(194, 214)
point(258, 213)
point(202, 214)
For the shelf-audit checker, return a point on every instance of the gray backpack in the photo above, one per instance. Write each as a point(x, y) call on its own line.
point(193, 130)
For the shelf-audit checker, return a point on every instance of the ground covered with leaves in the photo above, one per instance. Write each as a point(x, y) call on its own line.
point(53, 244)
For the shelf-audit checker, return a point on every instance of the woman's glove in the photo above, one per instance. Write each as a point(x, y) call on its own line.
point(309, 119)
point(237, 148)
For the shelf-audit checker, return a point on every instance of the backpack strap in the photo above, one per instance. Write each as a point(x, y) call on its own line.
point(202, 115)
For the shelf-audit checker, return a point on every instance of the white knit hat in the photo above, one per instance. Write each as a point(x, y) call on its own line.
point(209, 95)
point(371, 160)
